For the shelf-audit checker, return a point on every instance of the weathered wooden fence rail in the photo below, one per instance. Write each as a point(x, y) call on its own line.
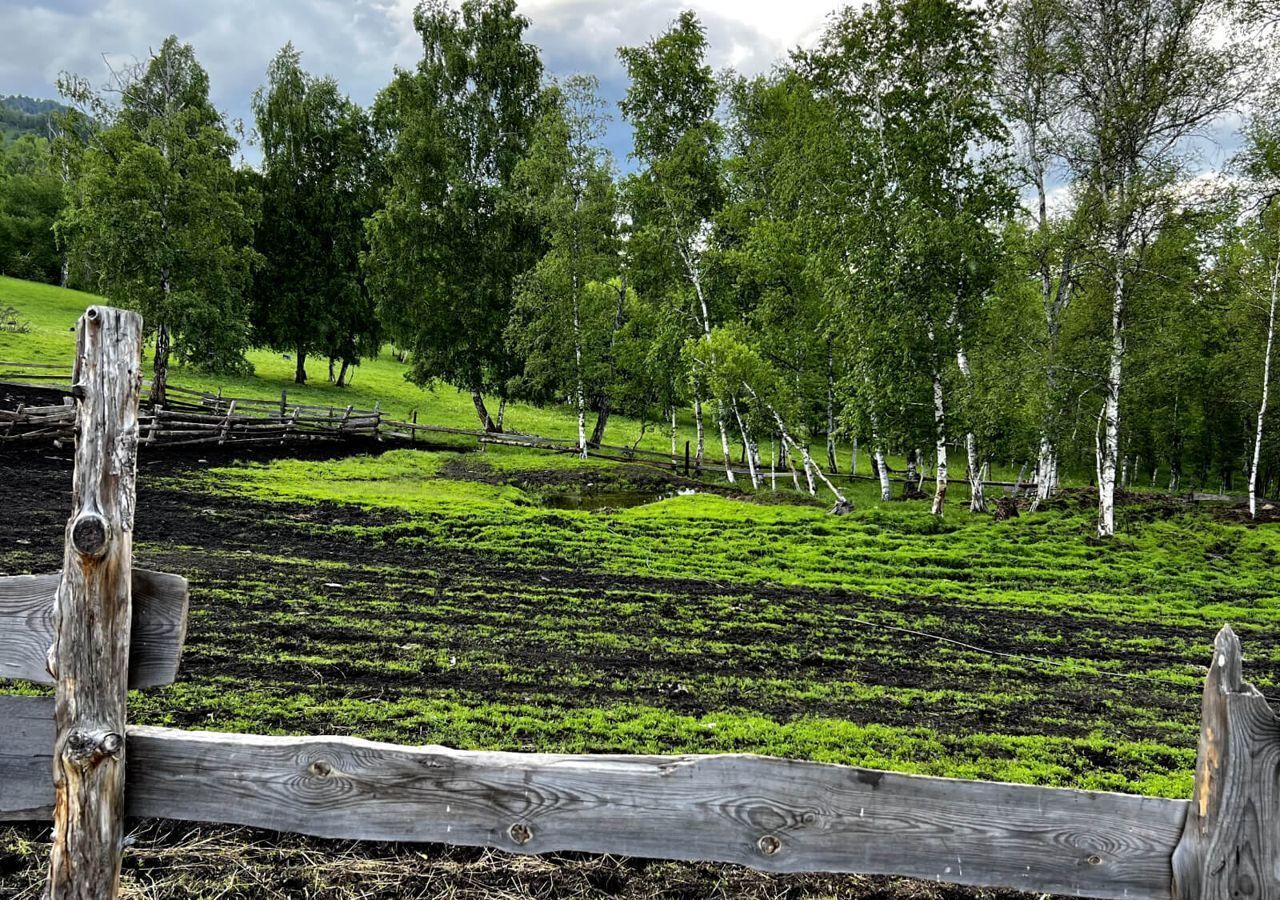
point(100, 625)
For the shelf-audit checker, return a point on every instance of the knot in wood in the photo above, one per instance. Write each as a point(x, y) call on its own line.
point(520, 833)
point(90, 534)
point(1095, 860)
point(769, 844)
point(88, 748)
point(320, 768)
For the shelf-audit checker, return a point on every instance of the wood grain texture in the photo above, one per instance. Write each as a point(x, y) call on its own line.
point(92, 612)
point(1230, 847)
point(776, 815)
point(26, 758)
point(159, 625)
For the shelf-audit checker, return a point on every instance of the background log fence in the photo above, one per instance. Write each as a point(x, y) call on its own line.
point(100, 626)
point(190, 418)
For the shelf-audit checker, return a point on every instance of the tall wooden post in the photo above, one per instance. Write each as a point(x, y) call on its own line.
point(90, 652)
point(1230, 845)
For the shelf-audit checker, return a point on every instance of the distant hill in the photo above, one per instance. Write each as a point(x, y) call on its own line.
point(25, 115)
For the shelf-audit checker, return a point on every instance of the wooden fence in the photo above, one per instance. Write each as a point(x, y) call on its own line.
point(197, 417)
point(99, 626)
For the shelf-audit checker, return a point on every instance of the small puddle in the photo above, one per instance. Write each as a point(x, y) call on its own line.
point(596, 500)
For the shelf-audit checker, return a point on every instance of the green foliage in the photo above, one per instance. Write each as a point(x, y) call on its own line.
point(450, 241)
point(162, 216)
point(318, 182)
point(32, 197)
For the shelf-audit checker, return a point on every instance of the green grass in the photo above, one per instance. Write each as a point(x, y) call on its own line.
point(431, 597)
point(53, 312)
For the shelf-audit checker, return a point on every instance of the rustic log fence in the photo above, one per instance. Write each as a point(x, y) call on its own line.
point(99, 627)
point(190, 418)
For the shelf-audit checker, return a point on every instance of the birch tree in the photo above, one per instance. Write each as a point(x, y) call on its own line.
point(566, 313)
point(1141, 77)
point(451, 240)
point(161, 214)
point(1260, 163)
point(1032, 94)
point(913, 83)
point(671, 102)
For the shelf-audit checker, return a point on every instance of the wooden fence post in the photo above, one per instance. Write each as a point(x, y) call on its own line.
point(1230, 845)
point(90, 652)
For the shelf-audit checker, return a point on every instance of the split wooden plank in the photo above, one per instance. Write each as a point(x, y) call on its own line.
point(92, 611)
point(159, 625)
point(1231, 843)
point(772, 814)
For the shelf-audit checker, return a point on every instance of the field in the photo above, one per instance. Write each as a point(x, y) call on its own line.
point(520, 601)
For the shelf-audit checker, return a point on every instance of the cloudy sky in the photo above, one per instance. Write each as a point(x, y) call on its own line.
point(361, 41)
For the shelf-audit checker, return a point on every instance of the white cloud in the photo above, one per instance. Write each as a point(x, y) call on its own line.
point(361, 41)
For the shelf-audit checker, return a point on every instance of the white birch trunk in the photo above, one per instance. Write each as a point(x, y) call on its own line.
point(724, 443)
point(1266, 390)
point(747, 446)
point(1046, 470)
point(940, 445)
point(977, 497)
point(698, 427)
point(877, 453)
point(675, 452)
point(1111, 410)
point(579, 396)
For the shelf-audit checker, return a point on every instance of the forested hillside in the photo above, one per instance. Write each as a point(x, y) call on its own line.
point(25, 115)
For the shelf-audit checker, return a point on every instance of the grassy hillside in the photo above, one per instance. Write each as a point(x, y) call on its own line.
point(53, 312)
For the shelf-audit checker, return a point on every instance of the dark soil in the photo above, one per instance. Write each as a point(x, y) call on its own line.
point(235, 642)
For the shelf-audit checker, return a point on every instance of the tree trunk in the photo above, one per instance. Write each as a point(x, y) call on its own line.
point(853, 461)
point(486, 423)
point(1111, 409)
point(342, 373)
point(831, 413)
point(698, 426)
point(977, 498)
point(579, 395)
point(65, 278)
point(300, 372)
point(675, 449)
point(502, 413)
point(160, 367)
point(1266, 389)
point(746, 446)
point(332, 360)
point(602, 419)
point(940, 446)
point(1046, 469)
point(977, 493)
point(724, 442)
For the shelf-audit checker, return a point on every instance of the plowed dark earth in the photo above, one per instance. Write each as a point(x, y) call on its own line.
point(240, 641)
